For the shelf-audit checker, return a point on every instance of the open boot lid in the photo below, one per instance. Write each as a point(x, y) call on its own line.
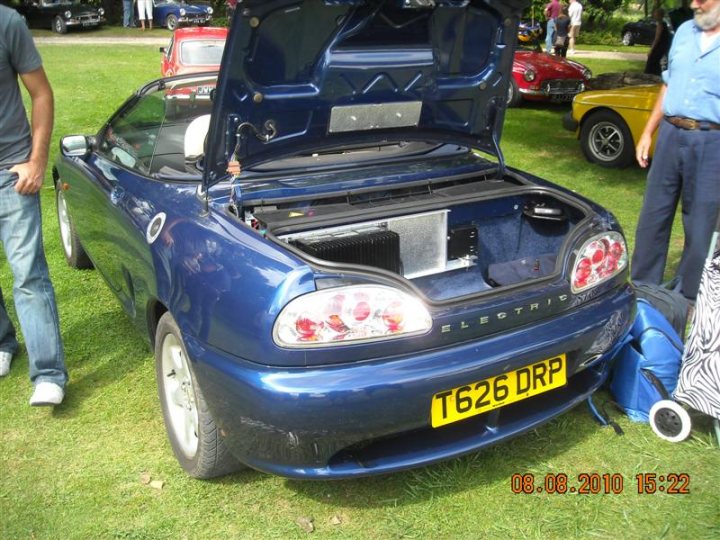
point(304, 76)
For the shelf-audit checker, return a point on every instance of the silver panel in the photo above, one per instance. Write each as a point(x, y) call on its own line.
point(423, 239)
point(374, 116)
point(423, 242)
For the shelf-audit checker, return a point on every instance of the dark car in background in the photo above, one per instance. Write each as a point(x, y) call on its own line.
point(640, 32)
point(61, 15)
point(175, 13)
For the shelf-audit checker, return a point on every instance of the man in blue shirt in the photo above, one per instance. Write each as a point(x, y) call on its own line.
point(23, 161)
point(686, 162)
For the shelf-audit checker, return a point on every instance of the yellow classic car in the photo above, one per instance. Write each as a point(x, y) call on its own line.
point(609, 122)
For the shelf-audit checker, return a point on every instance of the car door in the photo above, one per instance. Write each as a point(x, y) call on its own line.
point(112, 209)
point(169, 61)
point(34, 14)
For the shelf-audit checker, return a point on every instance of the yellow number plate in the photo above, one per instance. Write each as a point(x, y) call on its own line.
point(476, 398)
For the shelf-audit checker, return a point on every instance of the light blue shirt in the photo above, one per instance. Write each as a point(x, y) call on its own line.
point(692, 77)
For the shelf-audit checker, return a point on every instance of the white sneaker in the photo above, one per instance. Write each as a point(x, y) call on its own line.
point(5, 361)
point(47, 394)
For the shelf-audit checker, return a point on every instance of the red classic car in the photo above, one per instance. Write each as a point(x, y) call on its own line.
point(543, 77)
point(193, 50)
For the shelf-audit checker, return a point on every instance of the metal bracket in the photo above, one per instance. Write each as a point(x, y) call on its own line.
point(268, 132)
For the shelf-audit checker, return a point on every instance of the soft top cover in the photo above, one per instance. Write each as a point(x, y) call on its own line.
point(302, 76)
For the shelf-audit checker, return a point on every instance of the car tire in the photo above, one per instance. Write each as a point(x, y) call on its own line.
point(627, 38)
point(606, 140)
point(514, 98)
point(193, 434)
point(72, 248)
point(59, 25)
point(171, 22)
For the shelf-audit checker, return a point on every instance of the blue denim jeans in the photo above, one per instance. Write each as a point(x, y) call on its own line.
point(549, 35)
point(127, 13)
point(21, 237)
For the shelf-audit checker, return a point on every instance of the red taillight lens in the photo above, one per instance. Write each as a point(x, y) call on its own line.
point(393, 316)
point(362, 312)
point(600, 258)
point(307, 327)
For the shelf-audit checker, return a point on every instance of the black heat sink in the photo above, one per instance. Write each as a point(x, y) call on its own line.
point(380, 249)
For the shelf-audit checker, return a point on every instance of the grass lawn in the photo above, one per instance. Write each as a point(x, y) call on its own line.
point(77, 472)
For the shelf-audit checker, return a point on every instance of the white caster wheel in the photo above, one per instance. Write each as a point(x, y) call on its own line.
point(670, 421)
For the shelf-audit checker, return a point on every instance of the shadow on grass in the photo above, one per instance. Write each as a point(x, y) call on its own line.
point(481, 469)
point(100, 351)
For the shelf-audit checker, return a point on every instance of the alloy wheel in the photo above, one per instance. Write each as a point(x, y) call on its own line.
point(606, 141)
point(65, 227)
point(180, 395)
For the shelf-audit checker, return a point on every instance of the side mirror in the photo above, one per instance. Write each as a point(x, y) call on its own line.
point(75, 146)
point(163, 50)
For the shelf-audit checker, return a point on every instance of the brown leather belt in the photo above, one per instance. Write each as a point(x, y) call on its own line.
point(691, 123)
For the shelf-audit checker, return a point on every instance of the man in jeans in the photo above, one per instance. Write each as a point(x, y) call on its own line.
point(128, 14)
point(23, 160)
point(552, 12)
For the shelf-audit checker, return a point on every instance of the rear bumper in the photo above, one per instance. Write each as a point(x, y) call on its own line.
point(374, 417)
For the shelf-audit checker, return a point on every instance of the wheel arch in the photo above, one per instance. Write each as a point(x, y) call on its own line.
point(155, 310)
point(610, 110)
point(592, 111)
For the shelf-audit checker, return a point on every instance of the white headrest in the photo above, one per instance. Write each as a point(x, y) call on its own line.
point(195, 135)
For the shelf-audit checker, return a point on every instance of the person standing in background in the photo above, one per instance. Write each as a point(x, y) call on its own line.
point(128, 14)
point(230, 6)
point(562, 31)
point(660, 45)
point(23, 161)
point(679, 15)
point(575, 12)
point(145, 13)
point(552, 12)
point(686, 159)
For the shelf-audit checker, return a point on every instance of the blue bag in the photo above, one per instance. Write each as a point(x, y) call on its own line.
point(647, 366)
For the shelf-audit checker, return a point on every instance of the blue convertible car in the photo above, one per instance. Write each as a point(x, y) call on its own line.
point(175, 13)
point(372, 288)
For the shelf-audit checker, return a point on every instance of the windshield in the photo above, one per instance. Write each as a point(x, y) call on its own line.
point(206, 52)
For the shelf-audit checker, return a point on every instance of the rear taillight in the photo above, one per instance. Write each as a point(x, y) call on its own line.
point(600, 258)
point(350, 314)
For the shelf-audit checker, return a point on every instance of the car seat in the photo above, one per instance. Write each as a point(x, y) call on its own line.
point(195, 135)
